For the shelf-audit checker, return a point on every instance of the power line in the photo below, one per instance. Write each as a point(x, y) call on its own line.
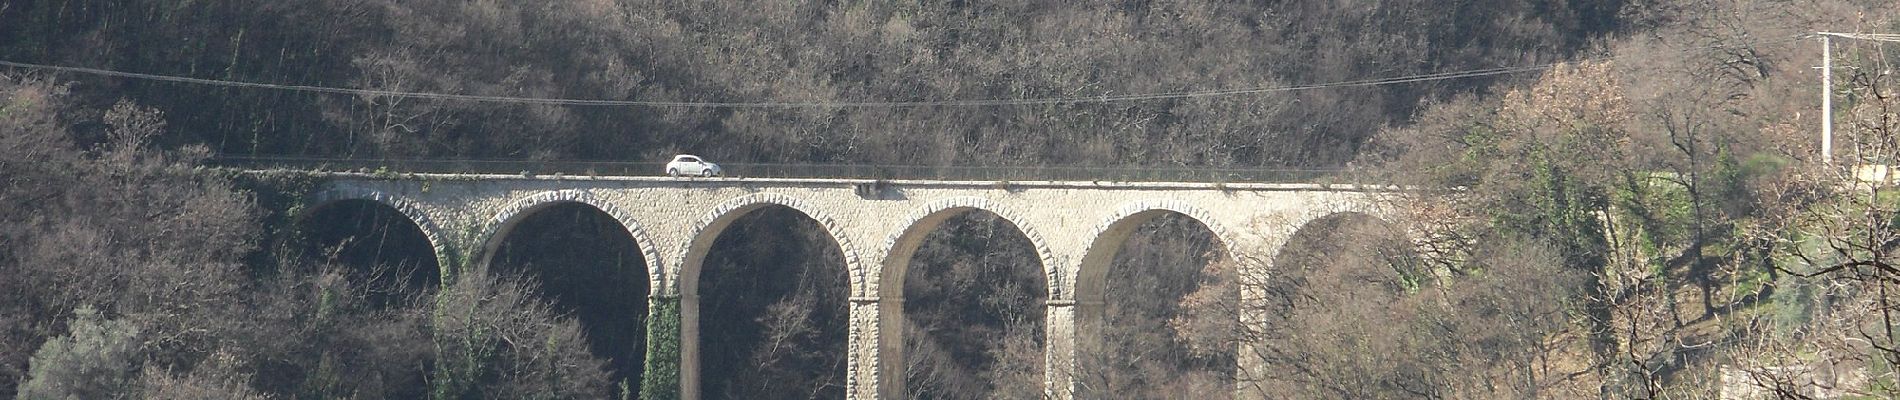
point(873, 104)
point(692, 104)
point(1879, 37)
point(1827, 84)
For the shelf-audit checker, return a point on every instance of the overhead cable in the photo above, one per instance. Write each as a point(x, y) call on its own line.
point(1880, 37)
point(821, 104)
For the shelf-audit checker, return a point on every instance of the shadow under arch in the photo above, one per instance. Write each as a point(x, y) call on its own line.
point(438, 242)
point(694, 254)
point(1325, 263)
point(1343, 233)
point(504, 222)
point(583, 253)
point(1097, 359)
point(1352, 223)
point(721, 217)
point(901, 247)
point(1091, 280)
point(393, 249)
point(1331, 218)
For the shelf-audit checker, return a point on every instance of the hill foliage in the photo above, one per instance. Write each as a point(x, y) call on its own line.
point(1647, 217)
point(797, 52)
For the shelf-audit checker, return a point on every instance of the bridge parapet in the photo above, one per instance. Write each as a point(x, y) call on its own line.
point(783, 170)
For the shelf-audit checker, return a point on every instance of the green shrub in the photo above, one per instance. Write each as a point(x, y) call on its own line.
point(661, 377)
point(98, 360)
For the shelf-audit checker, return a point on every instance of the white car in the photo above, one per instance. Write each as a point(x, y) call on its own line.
point(687, 164)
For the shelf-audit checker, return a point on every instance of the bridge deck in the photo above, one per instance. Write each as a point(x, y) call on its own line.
point(732, 181)
point(799, 171)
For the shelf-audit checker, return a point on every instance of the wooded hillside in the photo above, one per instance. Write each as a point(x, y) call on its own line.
point(1619, 199)
point(796, 52)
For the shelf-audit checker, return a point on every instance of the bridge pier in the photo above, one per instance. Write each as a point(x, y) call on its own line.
point(876, 368)
point(661, 377)
point(689, 347)
point(1253, 270)
point(1059, 350)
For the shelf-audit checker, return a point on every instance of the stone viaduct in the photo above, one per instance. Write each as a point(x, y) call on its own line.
point(1076, 227)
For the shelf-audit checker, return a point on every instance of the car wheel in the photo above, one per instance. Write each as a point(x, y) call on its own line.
point(673, 172)
point(707, 173)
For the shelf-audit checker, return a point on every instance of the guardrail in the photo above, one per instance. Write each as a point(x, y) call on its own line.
point(769, 170)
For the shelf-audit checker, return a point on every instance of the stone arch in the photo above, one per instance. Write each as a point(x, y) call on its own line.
point(897, 251)
point(1308, 219)
point(444, 249)
point(1086, 290)
point(704, 232)
point(580, 269)
point(1284, 234)
point(1350, 205)
point(1278, 232)
point(1106, 239)
point(902, 244)
point(693, 253)
point(495, 230)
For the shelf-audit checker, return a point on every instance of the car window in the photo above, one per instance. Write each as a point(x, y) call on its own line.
point(689, 159)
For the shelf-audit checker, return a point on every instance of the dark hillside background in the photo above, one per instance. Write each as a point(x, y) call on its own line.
point(794, 52)
point(1638, 207)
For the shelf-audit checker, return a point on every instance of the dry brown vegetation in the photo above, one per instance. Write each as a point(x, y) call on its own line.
point(807, 52)
point(1648, 220)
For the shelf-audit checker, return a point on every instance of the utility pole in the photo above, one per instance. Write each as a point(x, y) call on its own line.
point(1827, 99)
point(1827, 84)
